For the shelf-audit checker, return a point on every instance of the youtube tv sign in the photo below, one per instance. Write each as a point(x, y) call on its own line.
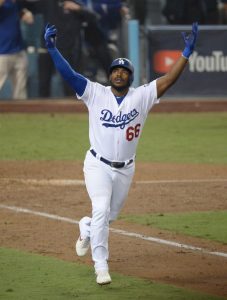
point(206, 72)
point(165, 59)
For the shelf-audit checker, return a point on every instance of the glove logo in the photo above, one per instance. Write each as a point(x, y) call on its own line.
point(163, 60)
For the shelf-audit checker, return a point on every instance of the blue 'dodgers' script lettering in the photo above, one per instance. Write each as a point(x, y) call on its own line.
point(120, 120)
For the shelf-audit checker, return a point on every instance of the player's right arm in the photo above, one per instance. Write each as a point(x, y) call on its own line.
point(74, 79)
point(166, 81)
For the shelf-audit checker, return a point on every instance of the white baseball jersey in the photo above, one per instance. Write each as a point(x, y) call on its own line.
point(114, 129)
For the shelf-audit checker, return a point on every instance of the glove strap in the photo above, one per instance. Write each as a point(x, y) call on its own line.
point(186, 53)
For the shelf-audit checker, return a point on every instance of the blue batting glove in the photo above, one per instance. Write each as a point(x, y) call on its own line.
point(50, 36)
point(190, 40)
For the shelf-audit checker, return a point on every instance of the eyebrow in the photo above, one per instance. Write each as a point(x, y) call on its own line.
point(117, 68)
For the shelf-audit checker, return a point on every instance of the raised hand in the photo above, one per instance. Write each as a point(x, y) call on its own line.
point(190, 40)
point(50, 36)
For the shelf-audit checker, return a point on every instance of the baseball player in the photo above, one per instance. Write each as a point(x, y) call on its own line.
point(117, 114)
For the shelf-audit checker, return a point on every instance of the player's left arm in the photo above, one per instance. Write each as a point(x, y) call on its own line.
point(166, 81)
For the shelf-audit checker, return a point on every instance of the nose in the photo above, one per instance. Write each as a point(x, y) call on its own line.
point(119, 72)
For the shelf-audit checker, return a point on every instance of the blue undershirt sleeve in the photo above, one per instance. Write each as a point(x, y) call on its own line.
point(74, 79)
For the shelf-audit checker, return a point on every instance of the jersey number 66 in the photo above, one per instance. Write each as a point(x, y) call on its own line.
point(133, 132)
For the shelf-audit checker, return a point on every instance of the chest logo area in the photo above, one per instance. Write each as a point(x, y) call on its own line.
point(119, 120)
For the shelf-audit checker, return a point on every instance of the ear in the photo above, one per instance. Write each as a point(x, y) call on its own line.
point(110, 75)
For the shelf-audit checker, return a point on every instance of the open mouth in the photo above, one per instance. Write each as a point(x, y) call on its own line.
point(118, 80)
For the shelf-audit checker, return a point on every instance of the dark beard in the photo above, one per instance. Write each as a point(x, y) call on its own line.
point(120, 88)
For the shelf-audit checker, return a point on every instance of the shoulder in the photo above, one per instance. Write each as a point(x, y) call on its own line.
point(97, 85)
point(101, 87)
point(151, 86)
point(94, 89)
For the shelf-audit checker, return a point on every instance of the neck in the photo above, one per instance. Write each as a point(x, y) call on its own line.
point(119, 93)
